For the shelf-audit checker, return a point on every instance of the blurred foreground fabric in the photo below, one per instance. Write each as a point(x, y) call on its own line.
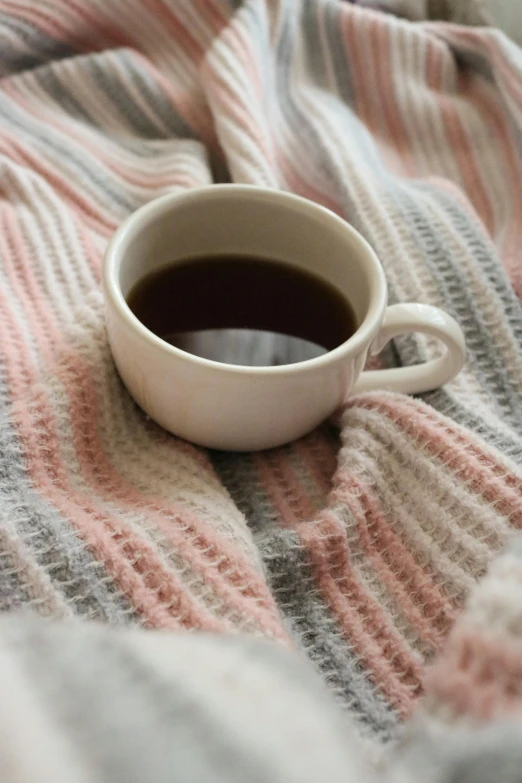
point(363, 547)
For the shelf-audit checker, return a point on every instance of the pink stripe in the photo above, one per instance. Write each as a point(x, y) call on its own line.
point(196, 114)
point(19, 152)
point(301, 186)
point(97, 33)
point(381, 32)
point(479, 676)
point(180, 33)
point(354, 26)
point(320, 458)
point(229, 563)
point(271, 486)
point(362, 621)
point(423, 604)
point(97, 215)
point(49, 476)
point(211, 9)
point(220, 564)
point(153, 590)
point(91, 255)
point(101, 533)
point(96, 30)
point(297, 500)
point(381, 650)
point(460, 144)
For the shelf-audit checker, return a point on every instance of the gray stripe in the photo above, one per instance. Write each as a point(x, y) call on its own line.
point(469, 60)
point(337, 52)
point(13, 591)
point(406, 348)
point(49, 80)
point(443, 401)
point(60, 148)
point(235, 5)
point(317, 55)
point(483, 357)
point(42, 47)
point(310, 38)
point(312, 148)
point(133, 721)
point(155, 98)
point(291, 581)
point(238, 474)
point(115, 90)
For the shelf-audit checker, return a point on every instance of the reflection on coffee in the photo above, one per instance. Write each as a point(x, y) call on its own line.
point(243, 310)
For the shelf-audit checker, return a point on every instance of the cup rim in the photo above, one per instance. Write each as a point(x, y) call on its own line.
point(135, 223)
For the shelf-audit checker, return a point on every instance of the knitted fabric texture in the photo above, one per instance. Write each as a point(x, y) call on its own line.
point(361, 545)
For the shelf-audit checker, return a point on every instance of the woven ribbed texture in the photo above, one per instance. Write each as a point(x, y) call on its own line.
point(359, 544)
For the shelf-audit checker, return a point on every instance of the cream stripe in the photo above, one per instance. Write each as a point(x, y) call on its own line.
point(416, 473)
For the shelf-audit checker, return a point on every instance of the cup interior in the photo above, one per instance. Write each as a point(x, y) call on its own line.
point(250, 221)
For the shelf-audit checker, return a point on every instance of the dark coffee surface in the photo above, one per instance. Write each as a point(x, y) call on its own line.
point(243, 310)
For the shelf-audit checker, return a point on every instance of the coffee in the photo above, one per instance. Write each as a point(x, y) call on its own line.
point(243, 310)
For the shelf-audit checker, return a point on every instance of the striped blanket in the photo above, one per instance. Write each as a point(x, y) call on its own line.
point(379, 547)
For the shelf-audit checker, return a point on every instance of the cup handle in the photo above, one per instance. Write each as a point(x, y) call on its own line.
point(419, 377)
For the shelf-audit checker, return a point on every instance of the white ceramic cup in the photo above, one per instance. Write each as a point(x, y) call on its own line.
point(233, 407)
